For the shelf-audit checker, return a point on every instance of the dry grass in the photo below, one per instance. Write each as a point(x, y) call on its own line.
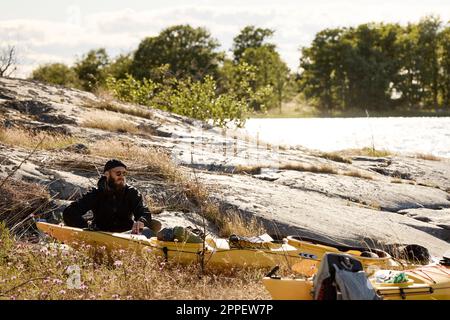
point(248, 169)
point(41, 272)
point(235, 224)
point(109, 122)
point(152, 161)
point(288, 166)
point(427, 156)
point(232, 222)
point(429, 185)
point(18, 200)
point(358, 174)
point(27, 139)
point(369, 152)
point(325, 168)
point(334, 156)
point(107, 102)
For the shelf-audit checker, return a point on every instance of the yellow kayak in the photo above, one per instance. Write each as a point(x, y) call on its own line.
point(314, 250)
point(425, 283)
point(216, 252)
point(430, 282)
point(301, 256)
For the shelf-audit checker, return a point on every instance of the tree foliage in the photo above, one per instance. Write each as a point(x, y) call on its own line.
point(189, 52)
point(90, 69)
point(240, 80)
point(251, 37)
point(56, 73)
point(376, 66)
point(195, 99)
point(120, 67)
point(270, 72)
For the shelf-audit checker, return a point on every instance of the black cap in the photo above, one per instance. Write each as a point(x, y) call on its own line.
point(113, 163)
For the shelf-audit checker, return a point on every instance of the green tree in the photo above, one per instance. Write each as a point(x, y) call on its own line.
point(419, 75)
point(271, 71)
point(371, 65)
point(91, 69)
point(240, 81)
point(56, 73)
point(427, 54)
point(189, 52)
point(407, 80)
point(318, 64)
point(444, 57)
point(251, 37)
point(120, 67)
point(352, 67)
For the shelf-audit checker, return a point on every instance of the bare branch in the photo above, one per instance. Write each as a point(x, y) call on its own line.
point(8, 61)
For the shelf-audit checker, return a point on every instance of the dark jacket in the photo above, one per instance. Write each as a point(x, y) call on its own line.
point(113, 211)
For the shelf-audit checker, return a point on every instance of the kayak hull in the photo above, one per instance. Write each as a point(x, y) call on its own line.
point(425, 283)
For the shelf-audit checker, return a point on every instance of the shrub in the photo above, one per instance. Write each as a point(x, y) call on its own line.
point(194, 99)
point(56, 73)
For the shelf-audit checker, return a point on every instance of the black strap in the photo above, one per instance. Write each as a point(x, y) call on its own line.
point(273, 271)
point(402, 293)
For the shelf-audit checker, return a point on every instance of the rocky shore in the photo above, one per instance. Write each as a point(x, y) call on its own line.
point(372, 201)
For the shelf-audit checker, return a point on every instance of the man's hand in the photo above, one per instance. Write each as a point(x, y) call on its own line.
point(137, 227)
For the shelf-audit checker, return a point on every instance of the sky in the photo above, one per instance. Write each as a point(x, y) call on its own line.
point(49, 31)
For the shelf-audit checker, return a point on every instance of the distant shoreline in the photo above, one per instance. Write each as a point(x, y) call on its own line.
point(373, 114)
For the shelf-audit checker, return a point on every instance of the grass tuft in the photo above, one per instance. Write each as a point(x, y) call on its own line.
point(328, 169)
point(427, 156)
point(108, 122)
point(28, 139)
point(19, 200)
point(107, 102)
point(369, 152)
point(334, 156)
point(358, 174)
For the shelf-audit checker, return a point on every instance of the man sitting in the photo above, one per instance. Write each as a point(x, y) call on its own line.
point(116, 206)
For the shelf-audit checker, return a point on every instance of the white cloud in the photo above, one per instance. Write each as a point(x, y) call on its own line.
point(296, 23)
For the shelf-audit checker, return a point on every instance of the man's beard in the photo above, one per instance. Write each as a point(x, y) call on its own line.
point(112, 185)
